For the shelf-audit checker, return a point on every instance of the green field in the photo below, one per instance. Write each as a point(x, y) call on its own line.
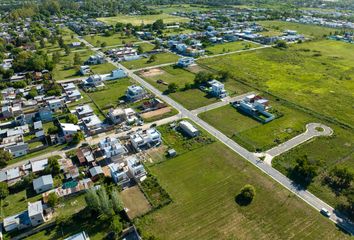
point(193, 98)
point(306, 29)
point(113, 93)
point(203, 184)
point(116, 39)
point(230, 47)
point(317, 75)
point(181, 8)
point(65, 70)
point(161, 58)
point(254, 135)
point(146, 19)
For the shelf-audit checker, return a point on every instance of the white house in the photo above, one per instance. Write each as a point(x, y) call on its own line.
point(111, 147)
point(136, 168)
point(217, 89)
point(69, 130)
point(117, 115)
point(39, 165)
point(189, 129)
point(84, 70)
point(18, 150)
point(43, 183)
point(92, 122)
point(118, 174)
point(55, 104)
point(145, 139)
point(83, 111)
point(115, 74)
point(135, 93)
point(35, 213)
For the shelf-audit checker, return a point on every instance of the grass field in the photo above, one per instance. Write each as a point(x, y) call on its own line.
point(116, 39)
point(203, 184)
point(111, 96)
point(161, 58)
point(230, 47)
point(65, 70)
point(146, 19)
point(336, 150)
point(254, 135)
point(317, 75)
point(181, 8)
point(306, 29)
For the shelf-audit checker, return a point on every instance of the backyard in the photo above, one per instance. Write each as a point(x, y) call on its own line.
point(203, 184)
point(116, 39)
point(146, 19)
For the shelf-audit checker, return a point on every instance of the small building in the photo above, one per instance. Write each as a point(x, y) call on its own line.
point(95, 59)
point(83, 111)
point(118, 174)
point(185, 62)
point(45, 114)
point(73, 95)
point(217, 89)
point(93, 81)
point(145, 139)
point(171, 153)
point(43, 183)
point(116, 115)
point(38, 166)
point(188, 128)
point(112, 147)
point(136, 168)
point(69, 130)
point(85, 70)
point(96, 172)
point(35, 213)
point(17, 222)
point(78, 236)
point(55, 104)
point(115, 74)
point(92, 123)
point(135, 93)
point(18, 150)
point(84, 154)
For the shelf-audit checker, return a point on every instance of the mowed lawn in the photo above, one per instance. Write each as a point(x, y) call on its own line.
point(308, 30)
point(203, 184)
point(317, 75)
point(230, 47)
point(161, 58)
point(116, 39)
point(146, 19)
point(65, 69)
point(113, 93)
point(254, 135)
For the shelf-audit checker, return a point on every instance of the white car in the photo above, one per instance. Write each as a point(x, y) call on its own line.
point(325, 212)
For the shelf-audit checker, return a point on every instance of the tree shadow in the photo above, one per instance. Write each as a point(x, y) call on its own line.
point(242, 201)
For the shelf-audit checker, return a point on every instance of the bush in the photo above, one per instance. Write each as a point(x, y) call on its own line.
point(246, 195)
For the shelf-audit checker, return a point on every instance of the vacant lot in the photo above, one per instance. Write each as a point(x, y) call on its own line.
point(135, 201)
point(317, 75)
point(65, 69)
point(203, 184)
point(254, 135)
point(115, 39)
point(113, 93)
point(145, 19)
point(230, 47)
point(308, 30)
point(161, 58)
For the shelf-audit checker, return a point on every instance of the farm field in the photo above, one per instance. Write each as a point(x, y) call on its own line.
point(65, 70)
point(308, 30)
point(116, 39)
point(161, 58)
point(146, 19)
point(254, 135)
point(203, 184)
point(111, 96)
point(316, 75)
point(230, 47)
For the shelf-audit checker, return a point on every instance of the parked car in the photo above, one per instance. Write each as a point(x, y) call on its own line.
point(325, 212)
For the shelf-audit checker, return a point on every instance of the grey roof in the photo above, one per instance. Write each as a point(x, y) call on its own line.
point(42, 181)
point(96, 171)
point(78, 236)
point(18, 147)
point(35, 208)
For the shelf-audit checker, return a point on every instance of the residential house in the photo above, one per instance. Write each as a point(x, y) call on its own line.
point(85, 70)
point(130, 115)
point(118, 174)
point(38, 166)
point(115, 74)
point(96, 172)
point(188, 128)
point(116, 115)
point(78, 236)
point(95, 59)
point(135, 93)
point(43, 183)
point(136, 168)
point(69, 130)
point(83, 111)
point(35, 213)
point(45, 114)
point(18, 150)
point(73, 95)
point(55, 104)
point(84, 154)
point(217, 89)
point(185, 62)
point(92, 123)
point(145, 139)
point(93, 81)
point(112, 147)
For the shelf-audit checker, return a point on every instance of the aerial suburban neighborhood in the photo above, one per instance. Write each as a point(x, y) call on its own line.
point(176, 119)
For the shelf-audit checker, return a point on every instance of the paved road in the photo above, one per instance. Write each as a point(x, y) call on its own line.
point(222, 103)
point(308, 197)
point(311, 132)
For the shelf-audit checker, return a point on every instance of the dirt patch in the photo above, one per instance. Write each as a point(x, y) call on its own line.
point(196, 69)
point(156, 113)
point(135, 202)
point(152, 72)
